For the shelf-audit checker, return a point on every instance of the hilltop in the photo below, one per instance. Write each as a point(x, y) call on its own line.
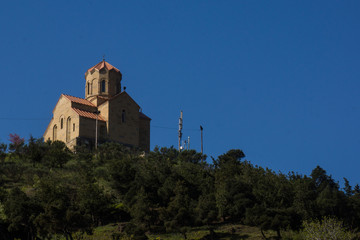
point(47, 191)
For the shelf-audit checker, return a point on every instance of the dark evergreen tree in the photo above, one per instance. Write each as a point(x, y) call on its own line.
point(347, 188)
point(35, 150)
point(57, 155)
point(274, 203)
point(305, 197)
point(91, 201)
point(61, 213)
point(20, 211)
point(233, 194)
point(357, 189)
point(142, 212)
point(3, 154)
point(180, 212)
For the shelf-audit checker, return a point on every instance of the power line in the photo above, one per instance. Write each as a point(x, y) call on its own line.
point(40, 119)
point(163, 127)
point(24, 119)
point(172, 128)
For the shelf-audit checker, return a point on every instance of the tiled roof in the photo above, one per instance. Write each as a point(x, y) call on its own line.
point(141, 115)
point(102, 65)
point(103, 98)
point(79, 100)
point(86, 114)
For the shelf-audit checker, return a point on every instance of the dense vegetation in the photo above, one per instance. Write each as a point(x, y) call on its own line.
point(47, 190)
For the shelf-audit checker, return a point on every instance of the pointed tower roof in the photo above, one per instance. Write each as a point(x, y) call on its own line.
point(103, 64)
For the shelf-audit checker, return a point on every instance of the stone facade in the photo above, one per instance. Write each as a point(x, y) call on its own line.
point(120, 119)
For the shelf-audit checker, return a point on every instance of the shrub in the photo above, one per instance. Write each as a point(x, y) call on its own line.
point(328, 228)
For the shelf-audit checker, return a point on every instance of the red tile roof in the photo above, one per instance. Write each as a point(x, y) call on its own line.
point(102, 65)
point(141, 115)
point(86, 114)
point(79, 100)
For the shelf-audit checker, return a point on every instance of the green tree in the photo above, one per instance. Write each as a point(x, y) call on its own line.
point(35, 150)
point(57, 154)
point(321, 180)
point(83, 153)
point(61, 213)
point(357, 189)
point(232, 193)
point(179, 214)
point(142, 211)
point(347, 188)
point(20, 212)
point(305, 196)
point(273, 209)
point(92, 201)
point(110, 151)
point(206, 210)
point(122, 172)
point(329, 199)
point(3, 154)
point(160, 164)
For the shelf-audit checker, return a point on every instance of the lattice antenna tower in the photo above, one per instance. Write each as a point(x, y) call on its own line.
point(180, 128)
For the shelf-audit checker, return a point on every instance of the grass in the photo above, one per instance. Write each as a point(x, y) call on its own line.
point(222, 232)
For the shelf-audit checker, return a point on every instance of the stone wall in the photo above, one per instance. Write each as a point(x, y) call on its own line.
point(68, 130)
point(126, 131)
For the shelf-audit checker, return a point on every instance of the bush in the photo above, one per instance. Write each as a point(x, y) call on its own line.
point(328, 228)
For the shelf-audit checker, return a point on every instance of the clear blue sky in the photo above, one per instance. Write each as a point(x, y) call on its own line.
point(277, 79)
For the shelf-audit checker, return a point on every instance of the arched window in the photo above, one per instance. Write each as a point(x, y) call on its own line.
point(61, 123)
point(123, 116)
point(103, 86)
point(88, 88)
point(68, 129)
point(73, 127)
point(54, 132)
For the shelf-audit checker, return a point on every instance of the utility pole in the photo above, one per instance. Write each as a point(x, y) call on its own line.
point(96, 128)
point(201, 129)
point(180, 129)
point(188, 146)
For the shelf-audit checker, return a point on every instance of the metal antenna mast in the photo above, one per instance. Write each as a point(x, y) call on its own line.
point(180, 129)
point(201, 129)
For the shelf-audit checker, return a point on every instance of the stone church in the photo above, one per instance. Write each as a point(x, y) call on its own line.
point(117, 117)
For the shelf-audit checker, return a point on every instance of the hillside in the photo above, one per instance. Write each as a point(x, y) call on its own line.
point(47, 191)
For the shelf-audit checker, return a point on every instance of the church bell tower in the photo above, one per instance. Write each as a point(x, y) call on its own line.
point(102, 80)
